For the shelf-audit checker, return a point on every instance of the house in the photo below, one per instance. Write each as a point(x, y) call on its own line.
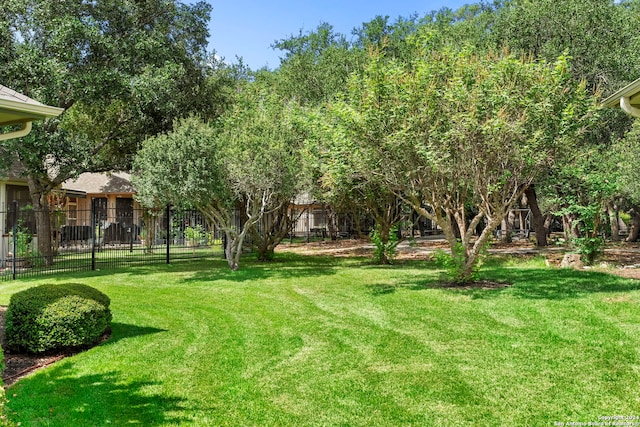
point(111, 193)
point(110, 196)
point(17, 113)
point(14, 188)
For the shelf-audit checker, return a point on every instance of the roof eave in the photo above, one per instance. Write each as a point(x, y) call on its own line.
point(29, 111)
point(628, 91)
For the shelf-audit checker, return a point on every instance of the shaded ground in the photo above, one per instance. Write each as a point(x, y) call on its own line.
point(622, 259)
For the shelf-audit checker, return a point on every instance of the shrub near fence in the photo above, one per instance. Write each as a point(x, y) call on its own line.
point(56, 317)
point(102, 238)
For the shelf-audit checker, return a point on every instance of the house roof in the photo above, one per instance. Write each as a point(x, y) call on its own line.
point(15, 174)
point(630, 92)
point(102, 183)
point(18, 108)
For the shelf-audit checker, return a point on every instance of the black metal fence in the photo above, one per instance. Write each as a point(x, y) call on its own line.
point(110, 235)
point(103, 237)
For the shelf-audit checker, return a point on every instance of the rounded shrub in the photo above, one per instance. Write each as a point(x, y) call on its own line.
point(53, 317)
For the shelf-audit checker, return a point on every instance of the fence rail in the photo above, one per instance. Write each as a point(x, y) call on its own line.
point(107, 236)
point(102, 238)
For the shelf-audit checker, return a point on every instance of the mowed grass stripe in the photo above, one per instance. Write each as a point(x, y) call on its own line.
point(319, 341)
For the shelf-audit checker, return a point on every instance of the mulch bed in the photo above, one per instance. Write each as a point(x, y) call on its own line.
point(19, 365)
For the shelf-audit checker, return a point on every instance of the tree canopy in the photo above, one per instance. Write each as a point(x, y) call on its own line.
point(456, 113)
point(455, 129)
point(122, 71)
point(235, 171)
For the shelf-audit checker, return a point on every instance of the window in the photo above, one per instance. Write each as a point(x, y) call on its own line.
point(100, 208)
point(25, 215)
point(72, 211)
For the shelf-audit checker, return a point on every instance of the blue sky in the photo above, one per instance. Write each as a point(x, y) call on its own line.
point(248, 28)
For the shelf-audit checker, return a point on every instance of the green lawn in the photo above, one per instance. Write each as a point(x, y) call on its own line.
point(320, 342)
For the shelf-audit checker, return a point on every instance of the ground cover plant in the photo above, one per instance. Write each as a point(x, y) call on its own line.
point(308, 340)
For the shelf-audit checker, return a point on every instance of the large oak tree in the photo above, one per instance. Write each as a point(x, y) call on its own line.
point(121, 70)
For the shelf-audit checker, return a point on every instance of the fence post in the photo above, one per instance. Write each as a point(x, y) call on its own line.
point(168, 234)
point(14, 234)
point(93, 234)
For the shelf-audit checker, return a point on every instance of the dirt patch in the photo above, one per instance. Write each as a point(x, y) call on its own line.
point(342, 248)
point(622, 259)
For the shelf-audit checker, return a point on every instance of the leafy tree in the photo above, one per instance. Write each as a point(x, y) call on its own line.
point(585, 188)
point(581, 29)
point(122, 70)
point(381, 35)
point(314, 69)
point(606, 59)
point(193, 157)
point(316, 65)
point(629, 176)
point(241, 173)
point(465, 130)
point(370, 112)
point(263, 145)
point(470, 25)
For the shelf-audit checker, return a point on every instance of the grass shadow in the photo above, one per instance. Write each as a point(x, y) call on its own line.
point(121, 331)
point(533, 283)
point(284, 266)
point(557, 284)
point(379, 289)
point(65, 398)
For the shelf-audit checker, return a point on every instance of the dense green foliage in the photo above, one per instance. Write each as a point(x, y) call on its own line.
point(121, 70)
point(246, 164)
point(53, 317)
point(373, 108)
point(628, 173)
point(384, 249)
point(321, 342)
point(129, 71)
point(454, 129)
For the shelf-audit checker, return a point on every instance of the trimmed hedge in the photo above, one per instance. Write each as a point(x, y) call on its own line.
point(53, 317)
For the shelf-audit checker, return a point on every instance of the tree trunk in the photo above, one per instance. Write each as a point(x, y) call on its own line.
point(547, 224)
point(274, 228)
point(385, 232)
point(473, 254)
point(634, 231)
point(571, 227)
point(508, 222)
point(536, 216)
point(357, 225)
point(455, 228)
point(43, 219)
point(231, 250)
point(613, 221)
point(331, 216)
